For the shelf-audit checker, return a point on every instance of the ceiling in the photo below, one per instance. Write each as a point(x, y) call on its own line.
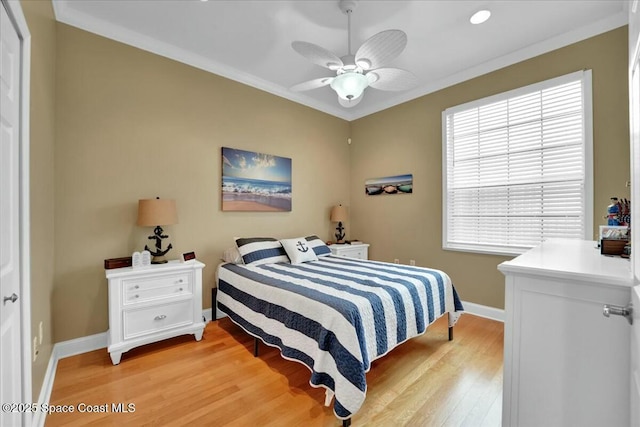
point(250, 41)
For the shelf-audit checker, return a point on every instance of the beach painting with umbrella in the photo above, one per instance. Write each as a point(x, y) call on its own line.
point(255, 181)
point(398, 184)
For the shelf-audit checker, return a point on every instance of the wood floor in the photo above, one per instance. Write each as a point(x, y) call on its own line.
point(427, 381)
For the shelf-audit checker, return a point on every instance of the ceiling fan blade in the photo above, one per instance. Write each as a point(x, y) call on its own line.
point(381, 48)
point(348, 103)
point(311, 84)
point(393, 79)
point(318, 55)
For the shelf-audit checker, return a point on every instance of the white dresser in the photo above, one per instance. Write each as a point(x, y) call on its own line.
point(355, 250)
point(152, 304)
point(565, 364)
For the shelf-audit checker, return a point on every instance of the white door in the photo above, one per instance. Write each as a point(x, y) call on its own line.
point(634, 109)
point(11, 388)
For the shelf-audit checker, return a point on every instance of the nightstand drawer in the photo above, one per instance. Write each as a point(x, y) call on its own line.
point(356, 250)
point(354, 253)
point(149, 288)
point(157, 318)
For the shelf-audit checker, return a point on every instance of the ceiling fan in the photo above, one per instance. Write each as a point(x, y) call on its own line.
point(354, 73)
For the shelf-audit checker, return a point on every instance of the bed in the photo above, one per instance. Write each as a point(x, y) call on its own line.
point(335, 315)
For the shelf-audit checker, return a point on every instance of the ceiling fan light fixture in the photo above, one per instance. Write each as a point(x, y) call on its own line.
point(480, 16)
point(350, 85)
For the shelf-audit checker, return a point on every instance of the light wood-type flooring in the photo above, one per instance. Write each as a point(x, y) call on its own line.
point(427, 381)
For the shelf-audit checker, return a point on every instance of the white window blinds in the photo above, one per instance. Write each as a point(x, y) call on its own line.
point(517, 167)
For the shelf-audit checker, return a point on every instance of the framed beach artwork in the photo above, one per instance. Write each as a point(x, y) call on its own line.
point(255, 182)
point(398, 184)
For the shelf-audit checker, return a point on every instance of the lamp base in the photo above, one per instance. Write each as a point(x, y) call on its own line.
point(340, 233)
point(159, 260)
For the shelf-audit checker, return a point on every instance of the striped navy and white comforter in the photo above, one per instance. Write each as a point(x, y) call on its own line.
point(336, 315)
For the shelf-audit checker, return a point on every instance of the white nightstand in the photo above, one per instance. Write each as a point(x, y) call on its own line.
point(356, 250)
point(154, 303)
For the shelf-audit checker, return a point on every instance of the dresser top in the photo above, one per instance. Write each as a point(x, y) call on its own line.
point(173, 265)
point(571, 259)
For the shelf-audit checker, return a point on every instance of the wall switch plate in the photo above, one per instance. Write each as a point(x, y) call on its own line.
point(396, 261)
point(412, 262)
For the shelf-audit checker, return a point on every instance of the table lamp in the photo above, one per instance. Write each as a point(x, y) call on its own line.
point(156, 213)
point(339, 214)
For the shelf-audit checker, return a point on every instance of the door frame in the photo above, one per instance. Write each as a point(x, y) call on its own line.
point(14, 10)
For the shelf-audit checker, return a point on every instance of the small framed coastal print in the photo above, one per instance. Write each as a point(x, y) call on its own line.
point(398, 184)
point(255, 182)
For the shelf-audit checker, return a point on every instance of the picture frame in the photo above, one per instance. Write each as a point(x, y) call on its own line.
point(614, 232)
point(388, 185)
point(188, 256)
point(255, 182)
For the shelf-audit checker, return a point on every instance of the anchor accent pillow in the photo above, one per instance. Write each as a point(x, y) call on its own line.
point(298, 250)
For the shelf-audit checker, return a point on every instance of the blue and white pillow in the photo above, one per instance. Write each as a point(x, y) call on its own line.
point(261, 250)
point(298, 250)
point(318, 246)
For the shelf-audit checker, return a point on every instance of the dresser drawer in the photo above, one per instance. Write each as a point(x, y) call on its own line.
point(154, 287)
point(354, 253)
point(157, 318)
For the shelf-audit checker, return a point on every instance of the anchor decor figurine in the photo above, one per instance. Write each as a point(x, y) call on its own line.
point(339, 214)
point(156, 213)
point(158, 254)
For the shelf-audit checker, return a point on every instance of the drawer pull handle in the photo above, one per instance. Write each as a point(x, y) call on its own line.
point(137, 296)
point(615, 310)
point(136, 287)
point(180, 289)
point(160, 317)
point(180, 281)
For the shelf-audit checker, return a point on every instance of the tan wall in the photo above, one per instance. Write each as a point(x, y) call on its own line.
point(134, 125)
point(42, 26)
point(408, 139)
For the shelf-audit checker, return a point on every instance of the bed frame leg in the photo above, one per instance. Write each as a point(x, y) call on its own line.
point(346, 423)
point(256, 347)
point(450, 333)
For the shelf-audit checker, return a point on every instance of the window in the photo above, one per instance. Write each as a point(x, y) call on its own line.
point(517, 167)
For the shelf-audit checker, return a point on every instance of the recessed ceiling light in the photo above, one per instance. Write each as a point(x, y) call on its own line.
point(480, 16)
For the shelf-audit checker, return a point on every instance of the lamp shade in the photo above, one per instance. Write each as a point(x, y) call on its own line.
point(349, 85)
point(338, 214)
point(153, 212)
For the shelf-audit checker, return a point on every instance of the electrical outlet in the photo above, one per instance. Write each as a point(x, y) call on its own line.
point(35, 348)
point(396, 261)
point(412, 262)
point(41, 332)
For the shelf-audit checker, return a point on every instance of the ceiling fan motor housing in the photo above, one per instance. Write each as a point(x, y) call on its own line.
point(347, 6)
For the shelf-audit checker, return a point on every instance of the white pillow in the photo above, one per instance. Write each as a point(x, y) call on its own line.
point(298, 250)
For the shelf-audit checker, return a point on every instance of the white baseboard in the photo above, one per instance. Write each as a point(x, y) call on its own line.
point(45, 391)
point(81, 345)
point(484, 311)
